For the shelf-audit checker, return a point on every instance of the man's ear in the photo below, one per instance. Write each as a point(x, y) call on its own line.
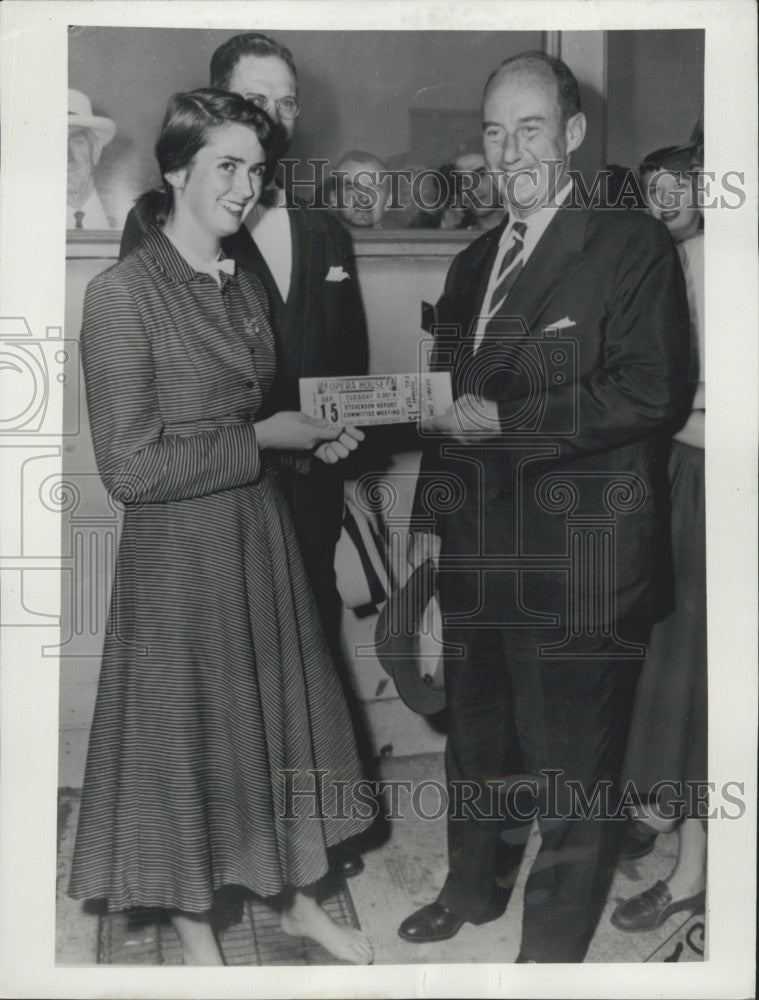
point(177, 178)
point(96, 148)
point(575, 131)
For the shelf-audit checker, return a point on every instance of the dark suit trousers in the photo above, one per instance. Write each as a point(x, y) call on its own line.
point(316, 504)
point(514, 713)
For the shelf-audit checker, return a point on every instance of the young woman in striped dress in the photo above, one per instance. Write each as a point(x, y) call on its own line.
point(221, 748)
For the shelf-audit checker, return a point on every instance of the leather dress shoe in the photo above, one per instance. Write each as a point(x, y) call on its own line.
point(346, 864)
point(650, 909)
point(435, 922)
point(522, 959)
point(638, 840)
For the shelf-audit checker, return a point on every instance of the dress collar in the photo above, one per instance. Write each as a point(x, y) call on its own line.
point(179, 264)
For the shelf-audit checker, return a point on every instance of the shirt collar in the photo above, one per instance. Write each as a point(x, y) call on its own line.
point(196, 262)
point(538, 222)
point(178, 261)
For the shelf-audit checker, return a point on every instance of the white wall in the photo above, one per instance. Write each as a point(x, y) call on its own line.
point(655, 91)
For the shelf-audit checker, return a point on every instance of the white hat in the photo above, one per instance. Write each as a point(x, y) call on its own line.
point(81, 116)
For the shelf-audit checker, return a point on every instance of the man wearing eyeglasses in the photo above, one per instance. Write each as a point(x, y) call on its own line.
point(304, 258)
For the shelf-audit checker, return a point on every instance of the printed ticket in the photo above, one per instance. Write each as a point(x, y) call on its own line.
point(377, 399)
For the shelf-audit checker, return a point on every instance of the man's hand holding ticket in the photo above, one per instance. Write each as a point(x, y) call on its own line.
point(366, 400)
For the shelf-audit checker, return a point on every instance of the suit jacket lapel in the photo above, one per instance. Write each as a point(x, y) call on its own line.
point(298, 237)
point(472, 284)
point(557, 256)
point(481, 265)
point(306, 292)
point(554, 260)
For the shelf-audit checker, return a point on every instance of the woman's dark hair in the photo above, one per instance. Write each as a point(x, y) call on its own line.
point(675, 158)
point(188, 120)
point(227, 56)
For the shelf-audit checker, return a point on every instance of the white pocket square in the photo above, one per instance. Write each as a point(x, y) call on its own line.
point(337, 274)
point(561, 324)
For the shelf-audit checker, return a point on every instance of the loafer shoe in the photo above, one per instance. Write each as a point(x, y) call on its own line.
point(650, 909)
point(637, 841)
point(435, 922)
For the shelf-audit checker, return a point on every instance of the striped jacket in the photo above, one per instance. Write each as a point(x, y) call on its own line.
point(176, 370)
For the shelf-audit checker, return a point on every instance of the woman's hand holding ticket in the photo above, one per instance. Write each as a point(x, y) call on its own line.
point(293, 430)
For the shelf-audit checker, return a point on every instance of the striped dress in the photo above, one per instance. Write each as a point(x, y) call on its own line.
point(221, 747)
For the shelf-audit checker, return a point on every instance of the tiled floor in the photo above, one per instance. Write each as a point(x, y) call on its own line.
point(249, 934)
point(402, 873)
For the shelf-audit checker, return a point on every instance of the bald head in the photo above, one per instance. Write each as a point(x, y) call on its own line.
point(356, 159)
point(546, 71)
point(362, 197)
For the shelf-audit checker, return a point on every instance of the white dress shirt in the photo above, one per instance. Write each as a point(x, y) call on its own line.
point(270, 228)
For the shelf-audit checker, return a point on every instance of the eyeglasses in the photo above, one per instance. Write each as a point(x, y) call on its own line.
point(287, 107)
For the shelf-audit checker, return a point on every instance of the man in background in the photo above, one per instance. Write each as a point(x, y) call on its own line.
point(476, 204)
point(357, 193)
point(87, 135)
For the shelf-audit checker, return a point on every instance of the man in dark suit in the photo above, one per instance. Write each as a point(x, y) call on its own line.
point(304, 259)
point(566, 333)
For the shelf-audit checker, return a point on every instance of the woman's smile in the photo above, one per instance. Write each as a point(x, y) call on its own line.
point(233, 207)
point(221, 183)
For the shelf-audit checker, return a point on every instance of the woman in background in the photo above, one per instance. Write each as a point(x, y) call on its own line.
point(217, 700)
point(668, 737)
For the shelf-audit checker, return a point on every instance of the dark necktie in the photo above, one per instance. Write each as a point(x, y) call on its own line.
point(511, 265)
point(508, 272)
point(78, 217)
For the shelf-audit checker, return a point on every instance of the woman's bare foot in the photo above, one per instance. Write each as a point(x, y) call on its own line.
point(196, 936)
point(305, 918)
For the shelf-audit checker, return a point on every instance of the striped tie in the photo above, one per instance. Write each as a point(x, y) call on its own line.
point(511, 265)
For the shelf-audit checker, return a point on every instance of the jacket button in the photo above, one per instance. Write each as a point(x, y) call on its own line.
point(506, 494)
point(247, 416)
point(249, 384)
